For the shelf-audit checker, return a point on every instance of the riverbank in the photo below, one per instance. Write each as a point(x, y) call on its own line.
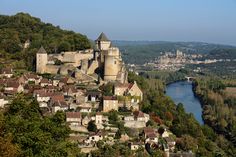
point(206, 104)
point(182, 92)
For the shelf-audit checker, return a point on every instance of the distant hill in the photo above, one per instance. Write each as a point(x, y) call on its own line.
point(16, 29)
point(139, 52)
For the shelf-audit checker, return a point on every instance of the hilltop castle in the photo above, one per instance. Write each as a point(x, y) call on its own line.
point(104, 61)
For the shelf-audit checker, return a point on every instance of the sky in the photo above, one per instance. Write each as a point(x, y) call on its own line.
point(212, 21)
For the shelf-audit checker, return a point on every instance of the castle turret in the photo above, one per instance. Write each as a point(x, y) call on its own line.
point(103, 43)
point(112, 64)
point(41, 60)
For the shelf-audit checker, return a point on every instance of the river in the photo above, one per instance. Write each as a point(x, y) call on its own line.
point(181, 92)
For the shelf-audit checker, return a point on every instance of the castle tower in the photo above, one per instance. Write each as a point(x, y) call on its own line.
point(41, 60)
point(112, 64)
point(102, 42)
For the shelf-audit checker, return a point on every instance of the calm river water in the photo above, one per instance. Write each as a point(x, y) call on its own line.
point(181, 92)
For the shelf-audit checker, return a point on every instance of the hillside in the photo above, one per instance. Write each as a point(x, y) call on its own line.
point(143, 51)
point(17, 29)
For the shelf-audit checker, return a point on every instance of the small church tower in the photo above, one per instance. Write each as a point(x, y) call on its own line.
point(41, 60)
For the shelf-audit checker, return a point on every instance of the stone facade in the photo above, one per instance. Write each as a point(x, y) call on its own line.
point(105, 61)
point(110, 103)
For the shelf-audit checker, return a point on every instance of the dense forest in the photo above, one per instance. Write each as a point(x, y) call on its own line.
point(17, 29)
point(219, 105)
point(25, 132)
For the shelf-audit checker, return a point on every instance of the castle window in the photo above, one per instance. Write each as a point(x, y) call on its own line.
point(114, 62)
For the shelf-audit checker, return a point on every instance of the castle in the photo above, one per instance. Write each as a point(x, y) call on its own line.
point(104, 61)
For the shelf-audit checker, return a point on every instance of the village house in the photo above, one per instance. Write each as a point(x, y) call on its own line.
point(13, 87)
point(57, 103)
point(137, 120)
point(6, 72)
point(95, 137)
point(73, 118)
point(136, 145)
point(128, 89)
point(69, 90)
point(45, 82)
point(92, 96)
point(100, 120)
point(42, 95)
point(110, 103)
point(66, 81)
point(85, 108)
point(150, 135)
point(32, 78)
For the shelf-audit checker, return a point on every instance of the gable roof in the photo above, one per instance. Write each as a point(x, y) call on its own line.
point(102, 37)
point(42, 50)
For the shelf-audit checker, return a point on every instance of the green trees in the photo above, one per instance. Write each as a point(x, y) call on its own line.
point(16, 30)
point(92, 126)
point(27, 133)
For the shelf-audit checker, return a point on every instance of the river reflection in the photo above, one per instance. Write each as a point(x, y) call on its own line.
point(181, 92)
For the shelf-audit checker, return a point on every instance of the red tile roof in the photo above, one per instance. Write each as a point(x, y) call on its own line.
point(138, 114)
point(6, 70)
point(109, 98)
point(73, 115)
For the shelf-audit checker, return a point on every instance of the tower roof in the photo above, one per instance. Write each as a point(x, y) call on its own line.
point(42, 50)
point(102, 37)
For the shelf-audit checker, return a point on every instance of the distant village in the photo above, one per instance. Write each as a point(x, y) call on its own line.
point(71, 82)
point(175, 61)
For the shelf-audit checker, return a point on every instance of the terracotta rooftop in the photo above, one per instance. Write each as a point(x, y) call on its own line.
point(13, 84)
point(109, 98)
point(6, 70)
point(138, 114)
point(73, 115)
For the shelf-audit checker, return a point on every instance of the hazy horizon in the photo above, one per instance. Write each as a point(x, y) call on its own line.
point(208, 21)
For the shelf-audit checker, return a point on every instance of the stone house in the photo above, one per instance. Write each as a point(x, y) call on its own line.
point(45, 82)
point(66, 81)
point(73, 118)
point(137, 120)
point(150, 135)
point(30, 77)
point(110, 103)
point(58, 103)
point(42, 95)
point(100, 120)
point(134, 90)
point(13, 87)
point(69, 90)
point(128, 89)
point(136, 145)
point(140, 116)
point(92, 96)
point(95, 137)
point(85, 109)
point(6, 72)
